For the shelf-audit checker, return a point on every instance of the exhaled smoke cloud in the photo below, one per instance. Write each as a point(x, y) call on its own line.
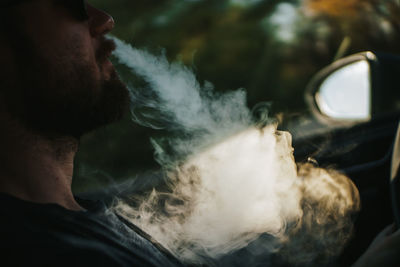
point(238, 187)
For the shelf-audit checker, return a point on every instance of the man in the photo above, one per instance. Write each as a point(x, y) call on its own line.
point(56, 85)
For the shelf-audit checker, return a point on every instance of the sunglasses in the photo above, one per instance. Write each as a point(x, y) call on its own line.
point(77, 8)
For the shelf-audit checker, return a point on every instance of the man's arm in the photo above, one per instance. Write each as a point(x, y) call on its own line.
point(384, 251)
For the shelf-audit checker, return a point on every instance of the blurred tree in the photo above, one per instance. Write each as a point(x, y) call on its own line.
point(338, 8)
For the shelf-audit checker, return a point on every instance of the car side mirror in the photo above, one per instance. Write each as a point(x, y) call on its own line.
point(356, 89)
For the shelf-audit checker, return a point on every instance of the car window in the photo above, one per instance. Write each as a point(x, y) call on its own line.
point(270, 48)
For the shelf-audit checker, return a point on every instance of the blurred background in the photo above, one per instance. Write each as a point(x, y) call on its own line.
point(271, 48)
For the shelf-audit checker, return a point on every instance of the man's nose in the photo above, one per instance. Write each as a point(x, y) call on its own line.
point(100, 23)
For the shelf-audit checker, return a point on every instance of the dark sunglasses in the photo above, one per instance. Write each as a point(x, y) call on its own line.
point(77, 8)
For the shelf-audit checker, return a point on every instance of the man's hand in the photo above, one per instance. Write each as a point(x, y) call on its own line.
point(384, 251)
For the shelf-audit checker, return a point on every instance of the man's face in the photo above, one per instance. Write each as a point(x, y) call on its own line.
point(60, 81)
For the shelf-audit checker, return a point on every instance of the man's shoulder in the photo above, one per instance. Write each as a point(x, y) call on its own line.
point(77, 252)
point(43, 235)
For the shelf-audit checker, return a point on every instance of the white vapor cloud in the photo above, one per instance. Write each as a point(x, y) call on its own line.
point(236, 180)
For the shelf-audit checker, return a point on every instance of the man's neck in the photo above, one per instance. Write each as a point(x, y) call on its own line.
point(37, 169)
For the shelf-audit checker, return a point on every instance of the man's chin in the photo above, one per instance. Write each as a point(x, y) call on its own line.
point(111, 107)
point(80, 112)
point(108, 71)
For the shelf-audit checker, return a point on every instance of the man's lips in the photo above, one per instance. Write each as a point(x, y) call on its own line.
point(105, 50)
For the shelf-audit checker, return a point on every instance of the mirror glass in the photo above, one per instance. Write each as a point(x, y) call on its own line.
point(346, 93)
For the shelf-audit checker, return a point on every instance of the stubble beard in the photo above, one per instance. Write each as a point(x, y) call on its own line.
point(64, 96)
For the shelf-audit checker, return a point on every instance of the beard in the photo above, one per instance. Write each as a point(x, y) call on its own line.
point(65, 96)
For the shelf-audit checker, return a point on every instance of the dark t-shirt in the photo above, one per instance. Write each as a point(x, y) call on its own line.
point(49, 235)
